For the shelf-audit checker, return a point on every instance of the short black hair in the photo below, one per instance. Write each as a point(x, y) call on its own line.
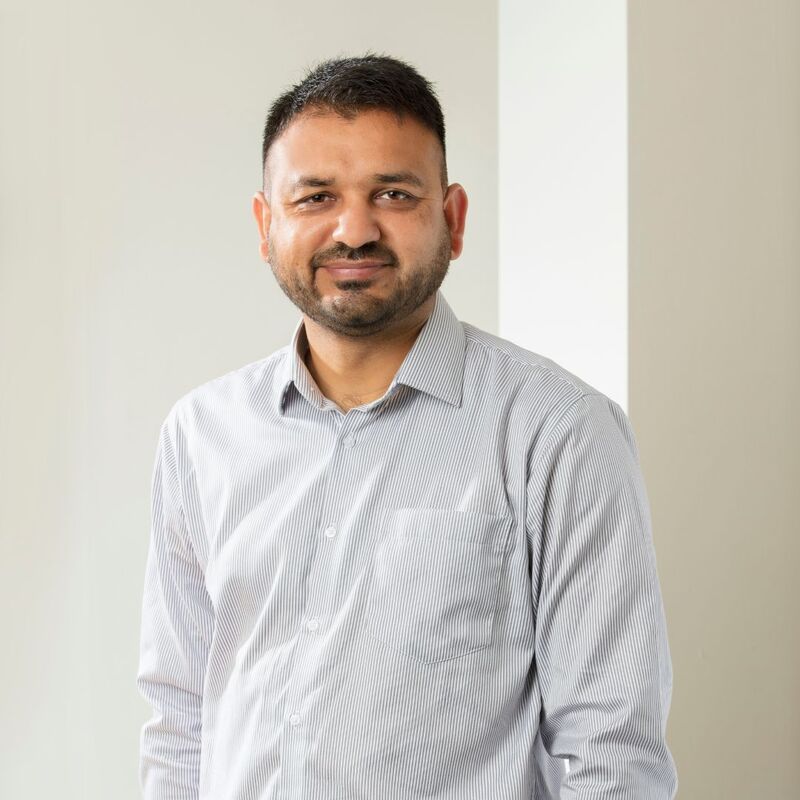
point(349, 85)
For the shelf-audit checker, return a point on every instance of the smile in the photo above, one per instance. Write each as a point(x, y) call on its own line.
point(343, 269)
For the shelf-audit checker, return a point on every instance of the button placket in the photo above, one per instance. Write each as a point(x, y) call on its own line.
point(350, 429)
point(334, 506)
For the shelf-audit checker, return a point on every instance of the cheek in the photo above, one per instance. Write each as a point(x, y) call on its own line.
point(298, 240)
point(416, 234)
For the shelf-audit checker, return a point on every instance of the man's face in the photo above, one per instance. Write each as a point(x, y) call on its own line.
point(356, 225)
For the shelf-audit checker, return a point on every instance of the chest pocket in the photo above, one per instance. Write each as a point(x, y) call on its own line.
point(435, 581)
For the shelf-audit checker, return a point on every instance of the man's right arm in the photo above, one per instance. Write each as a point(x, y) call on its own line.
point(177, 623)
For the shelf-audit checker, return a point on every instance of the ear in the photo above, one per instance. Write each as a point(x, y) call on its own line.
point(455, 213)
point(263, 215)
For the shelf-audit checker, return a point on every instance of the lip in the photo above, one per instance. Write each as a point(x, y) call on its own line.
point(347, 269)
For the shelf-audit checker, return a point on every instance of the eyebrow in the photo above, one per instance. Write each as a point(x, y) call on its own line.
point(313, 182)
point(308, 181)
point(399, 177)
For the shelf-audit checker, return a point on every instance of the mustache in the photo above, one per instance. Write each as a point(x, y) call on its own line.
point(372, 251)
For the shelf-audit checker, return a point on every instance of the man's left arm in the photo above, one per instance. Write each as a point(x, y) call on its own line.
point(601, 651)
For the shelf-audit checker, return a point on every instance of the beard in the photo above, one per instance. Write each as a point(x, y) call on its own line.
point(354, 311)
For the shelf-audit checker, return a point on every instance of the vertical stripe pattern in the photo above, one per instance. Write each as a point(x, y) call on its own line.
point(450, 592)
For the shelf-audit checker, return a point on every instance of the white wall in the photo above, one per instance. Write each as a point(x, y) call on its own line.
point(129, 151)
point(563, 197)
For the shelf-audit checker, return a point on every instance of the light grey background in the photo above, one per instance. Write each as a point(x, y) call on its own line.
point(131, 144)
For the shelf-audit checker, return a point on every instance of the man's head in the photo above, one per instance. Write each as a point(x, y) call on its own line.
point(348, 86)
point(355, 177)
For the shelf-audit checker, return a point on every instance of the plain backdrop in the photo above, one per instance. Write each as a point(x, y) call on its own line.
point(131, 148)
point(714, 378)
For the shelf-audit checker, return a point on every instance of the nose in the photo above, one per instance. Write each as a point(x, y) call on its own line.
point(356, 225)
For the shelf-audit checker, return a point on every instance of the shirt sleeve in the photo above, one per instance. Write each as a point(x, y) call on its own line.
point(601, 652)
point(176, 631)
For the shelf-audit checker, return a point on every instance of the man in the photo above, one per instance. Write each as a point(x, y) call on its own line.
point(400, 557)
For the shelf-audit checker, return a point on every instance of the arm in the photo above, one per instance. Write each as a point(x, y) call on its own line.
point(601, 651)
point(176, 631)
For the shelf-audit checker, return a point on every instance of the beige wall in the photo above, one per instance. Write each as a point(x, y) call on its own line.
point(715, 374)
point(129, 151)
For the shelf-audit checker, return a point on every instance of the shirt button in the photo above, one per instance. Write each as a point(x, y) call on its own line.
point(312, 624)
point(294, 720)
point(349, 441)
point(330, 531)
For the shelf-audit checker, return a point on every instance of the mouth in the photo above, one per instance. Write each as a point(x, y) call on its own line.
point(342, 270)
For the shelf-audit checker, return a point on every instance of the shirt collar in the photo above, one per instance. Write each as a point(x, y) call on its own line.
point(434, 364)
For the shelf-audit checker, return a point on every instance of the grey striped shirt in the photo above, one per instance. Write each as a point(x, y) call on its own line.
point(450, 592)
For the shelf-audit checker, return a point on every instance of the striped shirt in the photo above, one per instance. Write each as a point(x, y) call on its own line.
point(449, 592)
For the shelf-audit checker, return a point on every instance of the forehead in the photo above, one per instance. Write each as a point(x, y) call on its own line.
point(326, 144)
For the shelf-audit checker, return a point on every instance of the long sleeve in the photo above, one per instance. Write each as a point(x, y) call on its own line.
point(601, 649)
point(176, 630)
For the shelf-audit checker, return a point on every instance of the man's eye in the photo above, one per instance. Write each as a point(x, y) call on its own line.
point(395, 194)
point(316, 199)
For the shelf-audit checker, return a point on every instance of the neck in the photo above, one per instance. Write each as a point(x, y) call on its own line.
point(351, 371)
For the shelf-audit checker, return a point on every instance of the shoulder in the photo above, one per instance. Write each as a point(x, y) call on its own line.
point(523, 368)
point(222, 394)
point(536, 388)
